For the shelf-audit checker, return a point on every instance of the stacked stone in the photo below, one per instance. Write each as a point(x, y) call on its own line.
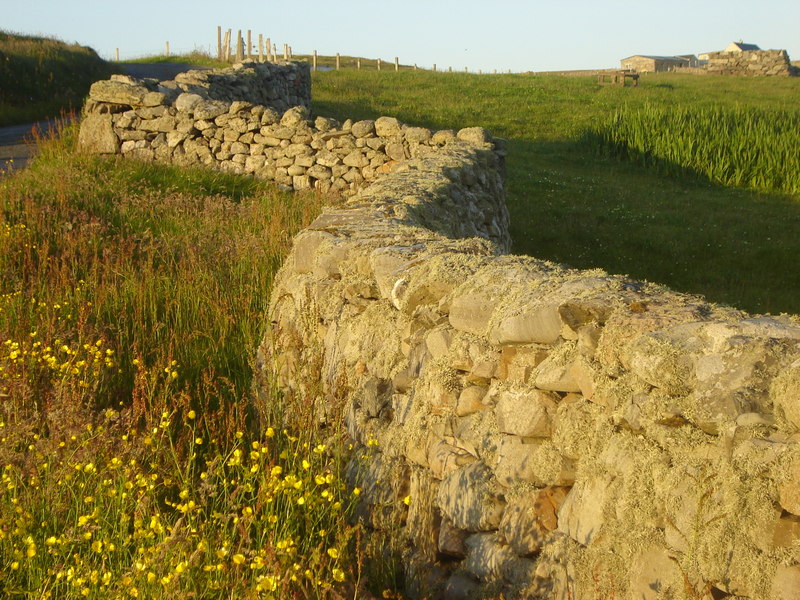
point(535, 431)
point(750, 62)
point(155, 121)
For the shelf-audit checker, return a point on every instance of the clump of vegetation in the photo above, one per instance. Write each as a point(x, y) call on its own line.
point(196, 57)
point(41, 77)
point(131, 462)
point(731, 145)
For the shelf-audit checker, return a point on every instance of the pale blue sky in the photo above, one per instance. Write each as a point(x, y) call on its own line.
point(486, 35)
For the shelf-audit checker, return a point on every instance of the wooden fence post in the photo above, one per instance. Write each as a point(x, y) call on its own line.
point(239, 46)
point(226, 45)
point(116, 54)
point(338, 61)
point(434, 67)
point(268, 47)
point(261, 47)
point(358, 63)
point(415, 66)
point(166, 47)
point(286, 52)
point(249, 52)
point(396, 64)
point(379, 64)
point(290, 53)
point(274, 52)
point(219, 42)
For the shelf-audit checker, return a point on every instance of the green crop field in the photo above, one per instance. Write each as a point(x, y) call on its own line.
point(133, 296)
point(573, 204)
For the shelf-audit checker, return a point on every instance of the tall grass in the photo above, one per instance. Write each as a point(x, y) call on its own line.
point(131, 464)
point(731, 145)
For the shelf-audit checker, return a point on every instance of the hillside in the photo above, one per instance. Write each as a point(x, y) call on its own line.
point(40, 77)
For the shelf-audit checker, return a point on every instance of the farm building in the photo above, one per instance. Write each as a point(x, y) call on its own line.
point(740, 47)
point(658, 64)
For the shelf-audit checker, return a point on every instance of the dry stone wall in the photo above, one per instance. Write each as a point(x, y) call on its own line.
point(266, 131)
point(531, 430)
point(750, 62)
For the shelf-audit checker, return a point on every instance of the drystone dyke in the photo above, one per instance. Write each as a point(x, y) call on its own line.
point(529, 430)
point(265, 132)
point(750, 62)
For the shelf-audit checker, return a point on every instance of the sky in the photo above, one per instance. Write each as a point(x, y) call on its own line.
point(484, 35)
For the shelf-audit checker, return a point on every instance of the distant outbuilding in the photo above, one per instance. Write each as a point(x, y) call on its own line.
point(657, 64)
point(740, 46)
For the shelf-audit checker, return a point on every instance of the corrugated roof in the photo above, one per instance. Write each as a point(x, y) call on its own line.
point(742, 46)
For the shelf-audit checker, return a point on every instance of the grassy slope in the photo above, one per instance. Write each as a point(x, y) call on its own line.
point(41, 77)
point(734, 246)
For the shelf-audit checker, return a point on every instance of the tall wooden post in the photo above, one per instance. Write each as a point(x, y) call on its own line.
point(166, 47)
point(239, 46)
point(358, 63)
point(226, 45)
point(268, 46)
point(396, 64)
point(219, 42)
point(338, 61)
point(249, 52)
point(116, 54)
point(274, 52)
point(434, 67)
point(286, 52)
point(261, 47)
point(379, 64)
point(314, 60)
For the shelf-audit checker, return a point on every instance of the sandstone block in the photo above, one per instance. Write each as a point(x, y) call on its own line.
point(474, 135)
point(471, 400)
point(417, 135)
point(487, 556)
point(396, 151)
point(521, 528)
point(786, 583)
point(451, 540)
point(654, 575)
point(319, 172)
point(581, 515)
point(471, 312)
point(356, 159)
point(209, 109)
point(533, 461)
point(294, 116)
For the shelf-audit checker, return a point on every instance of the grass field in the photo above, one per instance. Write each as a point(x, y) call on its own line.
point(41, 77)
point(573, 206)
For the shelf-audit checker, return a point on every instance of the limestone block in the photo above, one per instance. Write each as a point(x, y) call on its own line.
point(174, 138)
point(209, 109)
point(295, 170)
point(654, 575)
point(295, 116)
point(555, 374)
point(471, 400)
point(444, 458)
point(305, 248)
point(516, 365)
point(581, 516)
point(438, 341)
point(417, 134)
point(532, 461)
point(471, 312)
point(451, 540)
point(468, 498)
point(443, 136)
point(785, 395)
point(254, 163)
point(396, 151)
point(387, 127)
point(327, 159)
point(422, 521)
point(356, 159)
point(487, 556)
point(525, 412)
point(789, 488)
point(539, 325)
point(521, 528)
point(319, 172)
point(97, 135)
point(118, 92)
point(461, 587)
point(361, 129)
point(474, 135)
point(787, 532)
point(786, 583)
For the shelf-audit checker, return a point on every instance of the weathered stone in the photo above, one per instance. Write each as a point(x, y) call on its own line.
point(521, 528)
point(474, 135)
point(387, 127)
point(319, 172)
point(533, 461)
point(161, 124)
point(470, 400)
point(539, 326)
point(356, 159)
point(466, 497)
point(487, 556)
point(471, 312)
point(295, 116)
point(154, 99)
point(786, 583)
point(396, 151)
point(581, 516)
point(417, 134)
point(789, 488)
point(654, 575)
point(525, 412)
point(118, 92)
point(97, 135)
point(362, 129)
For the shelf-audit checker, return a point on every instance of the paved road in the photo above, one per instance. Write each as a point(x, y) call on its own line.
point(16, 140)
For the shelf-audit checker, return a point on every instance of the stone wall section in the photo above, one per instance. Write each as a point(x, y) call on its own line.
point(530, 430)
point(254, 120)
point(750, 62)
